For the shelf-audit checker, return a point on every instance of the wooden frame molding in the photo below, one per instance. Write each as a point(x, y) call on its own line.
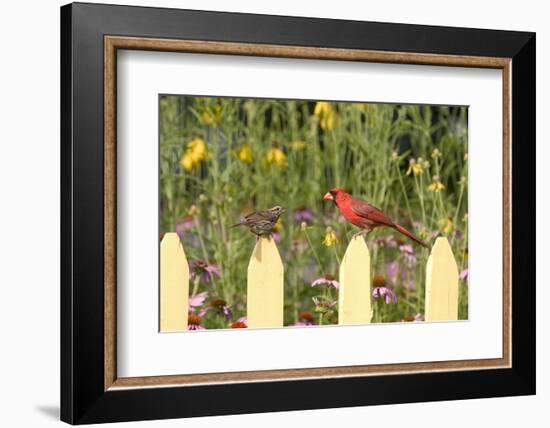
point(113, 43)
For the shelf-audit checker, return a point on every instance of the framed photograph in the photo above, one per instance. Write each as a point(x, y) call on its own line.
point(257, 207)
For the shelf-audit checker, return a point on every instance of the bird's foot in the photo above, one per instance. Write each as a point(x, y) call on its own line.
point(264, 235)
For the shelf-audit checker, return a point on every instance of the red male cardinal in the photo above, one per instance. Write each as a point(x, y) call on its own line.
point(364, 215)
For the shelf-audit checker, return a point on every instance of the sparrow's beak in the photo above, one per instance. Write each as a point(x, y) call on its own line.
point(328, 197)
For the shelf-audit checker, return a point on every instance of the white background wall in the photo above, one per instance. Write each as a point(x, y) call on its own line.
point(29, 212)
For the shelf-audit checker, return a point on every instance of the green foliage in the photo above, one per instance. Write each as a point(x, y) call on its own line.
point(221, 158)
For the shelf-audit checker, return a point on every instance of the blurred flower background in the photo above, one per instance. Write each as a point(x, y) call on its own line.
point(221, 158)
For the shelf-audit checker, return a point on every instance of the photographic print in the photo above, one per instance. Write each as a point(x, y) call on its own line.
point(311, 213)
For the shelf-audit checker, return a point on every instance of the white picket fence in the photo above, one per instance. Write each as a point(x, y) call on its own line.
point(265, 285)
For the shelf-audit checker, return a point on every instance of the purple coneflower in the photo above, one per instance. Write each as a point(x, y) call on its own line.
point(392, 270)
point(240, 323)
point(197, 300)
point(305, 318)
point(387, 293)
point(222, 308)
point(386, 241)
point(303, 214)
point(413, 318)
point(328, 279)
point(408, 254)
point(194, 322)
point(203, 270)
point(380, 290)
point(185, 224)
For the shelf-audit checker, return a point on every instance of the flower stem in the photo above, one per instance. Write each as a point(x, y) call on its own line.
point(420, 191)
point(203, 249)
point(405, 196)
point(336, 255)
point(314, 252)
point(195, 285)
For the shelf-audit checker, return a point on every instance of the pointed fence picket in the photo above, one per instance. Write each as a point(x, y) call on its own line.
point(265, 284)
point(354, 296)
point(174, 284)
point(441, 283)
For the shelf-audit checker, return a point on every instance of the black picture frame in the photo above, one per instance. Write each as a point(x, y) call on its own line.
point(83, 396)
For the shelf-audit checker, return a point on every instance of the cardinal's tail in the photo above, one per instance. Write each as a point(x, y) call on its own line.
point(410, 235)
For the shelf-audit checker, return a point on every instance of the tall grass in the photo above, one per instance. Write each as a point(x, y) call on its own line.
point(221, 158)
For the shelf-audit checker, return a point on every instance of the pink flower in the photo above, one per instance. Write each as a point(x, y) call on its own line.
point(303, 214)
point(386, 241)
point(194, 322)
point(464, 275)
point(195, 327)
point(410, 318)
point(392, 270)
point(408, 254)
point(218, 306)
point(328, 279)
point(197, 300)
point(203, 270)
point(240, 323)
point(304, 319)
point(185, 224)
point(386, 293)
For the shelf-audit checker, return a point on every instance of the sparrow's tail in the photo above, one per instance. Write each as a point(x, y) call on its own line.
point(410, 235)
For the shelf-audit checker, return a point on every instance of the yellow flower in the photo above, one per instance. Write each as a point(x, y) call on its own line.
point(415, 167)
point(436, 154)
point(423, 233)
point(277, 227)
point(326, 115)
point(212, 115)
point(193, 210)
point(298, 145)
point(462, 180)
point(276, 156)
point(446, 225)
point(436, 186)
point(330, 237)
point(361, 106)
point(425, 163)
point(394, 155)
point(245, 153)
point(369, 111)
point(195, 153)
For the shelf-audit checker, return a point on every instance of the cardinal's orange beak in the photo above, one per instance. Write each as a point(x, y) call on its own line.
point(328, 197)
